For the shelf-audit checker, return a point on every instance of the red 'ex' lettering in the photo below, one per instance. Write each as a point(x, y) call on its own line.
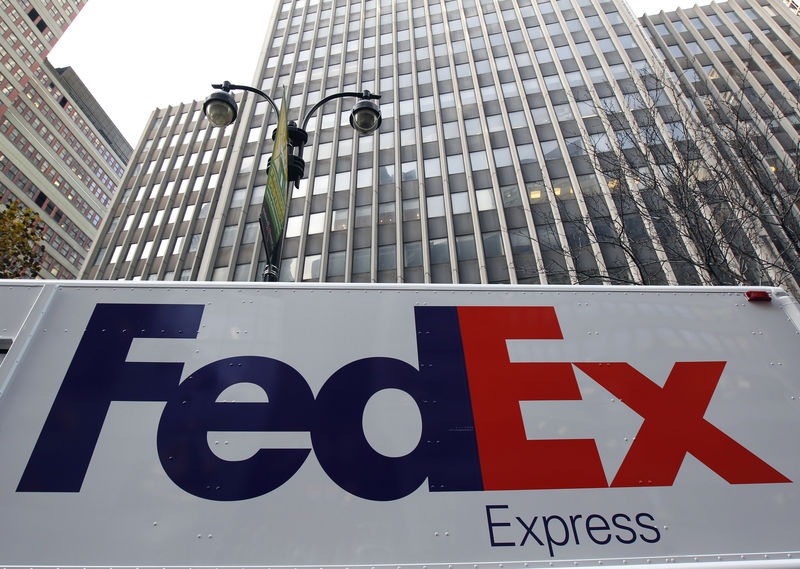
point(674, 425)
point(496, 388)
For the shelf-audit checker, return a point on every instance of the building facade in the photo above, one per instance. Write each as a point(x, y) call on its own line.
point(60, 154)
point(166, 221)
point(736, 64)
point(500, 121)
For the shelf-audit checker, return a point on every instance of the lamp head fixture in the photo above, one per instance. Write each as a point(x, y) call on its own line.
point(366, 114)
point(220, 108)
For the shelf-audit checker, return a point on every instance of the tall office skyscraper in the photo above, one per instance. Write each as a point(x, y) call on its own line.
point(60, 154)
point(500, 119)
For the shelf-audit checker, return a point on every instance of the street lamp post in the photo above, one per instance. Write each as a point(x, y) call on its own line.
point(221, 110)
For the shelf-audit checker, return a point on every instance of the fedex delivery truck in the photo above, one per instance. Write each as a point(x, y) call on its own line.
point(402, 427)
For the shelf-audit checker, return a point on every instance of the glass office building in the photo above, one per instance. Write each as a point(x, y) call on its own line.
point(60, 154)
point(484, 169)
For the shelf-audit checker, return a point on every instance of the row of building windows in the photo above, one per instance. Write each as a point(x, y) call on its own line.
point(116, 166)
point(52, 266)
point(438, 250)
point(39, 22)
point(62, 13)
point(20, 24)
point(400, 15)
point(26, 148)
point(63, 131)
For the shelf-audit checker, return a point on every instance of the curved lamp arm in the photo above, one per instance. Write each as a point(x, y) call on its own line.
point(227, 86)
point(363, 95)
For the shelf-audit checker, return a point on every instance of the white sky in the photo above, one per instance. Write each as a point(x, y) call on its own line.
point(641, 7)
point(139, 55)
point(136, 56)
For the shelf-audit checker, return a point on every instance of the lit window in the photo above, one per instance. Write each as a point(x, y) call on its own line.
point(386, 213)
point(410, 209)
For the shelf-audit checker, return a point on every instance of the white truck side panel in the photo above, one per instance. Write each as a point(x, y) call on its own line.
point(128, 511)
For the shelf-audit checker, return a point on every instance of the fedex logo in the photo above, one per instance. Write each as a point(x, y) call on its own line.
point(467, 391)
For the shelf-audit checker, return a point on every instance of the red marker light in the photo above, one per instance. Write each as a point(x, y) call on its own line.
point(758, 296)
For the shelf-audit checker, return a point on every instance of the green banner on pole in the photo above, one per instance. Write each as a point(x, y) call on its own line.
point(276, 190)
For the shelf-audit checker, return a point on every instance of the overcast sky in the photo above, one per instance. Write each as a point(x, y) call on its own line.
point(135, 56)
